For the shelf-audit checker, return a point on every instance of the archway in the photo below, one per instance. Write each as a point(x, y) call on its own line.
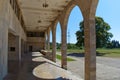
point(75, 52)
point(50, 39)
point(58, 36)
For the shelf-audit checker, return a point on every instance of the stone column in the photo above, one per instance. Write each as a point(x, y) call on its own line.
point(64, 47)
point(45, 45)
point(54, 43)
point(48, 40)
point(90, 49)
point(22, 47)
point(18, 47)
point(25, 47)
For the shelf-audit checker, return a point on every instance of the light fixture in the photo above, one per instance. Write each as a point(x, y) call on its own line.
point(39, 21)
point(45, 4)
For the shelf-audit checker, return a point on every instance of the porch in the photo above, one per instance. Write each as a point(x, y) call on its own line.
point(35, 67)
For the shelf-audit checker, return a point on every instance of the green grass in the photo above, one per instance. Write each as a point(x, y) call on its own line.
point(109, 52)
point(115, 53)
point(73, 50)
point(68, 59)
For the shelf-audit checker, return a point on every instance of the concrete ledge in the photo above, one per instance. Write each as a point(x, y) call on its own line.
point(47, 54)
point(52, 71)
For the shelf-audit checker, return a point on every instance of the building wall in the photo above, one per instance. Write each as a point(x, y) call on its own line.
point(12, 55)
point(8, 23)
point(14, 24)
point(37, 43)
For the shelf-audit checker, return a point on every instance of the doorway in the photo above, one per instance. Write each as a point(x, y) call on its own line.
point(30, 48)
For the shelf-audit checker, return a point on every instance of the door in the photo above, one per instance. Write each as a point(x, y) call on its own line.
point(30, 48)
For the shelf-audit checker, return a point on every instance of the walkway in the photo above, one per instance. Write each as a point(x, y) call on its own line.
point(107, 68)
point(36, 67)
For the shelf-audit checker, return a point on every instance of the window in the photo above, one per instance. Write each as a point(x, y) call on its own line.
point(12, 48)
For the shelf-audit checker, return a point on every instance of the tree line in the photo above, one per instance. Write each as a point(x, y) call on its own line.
point(103, 36)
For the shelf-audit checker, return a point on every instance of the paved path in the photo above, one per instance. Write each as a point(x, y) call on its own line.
point(107, 68)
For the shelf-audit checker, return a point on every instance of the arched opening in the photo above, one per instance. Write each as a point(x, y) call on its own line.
point(58, 42)
point(50, 39)
point(74, 52)
point(58, 36)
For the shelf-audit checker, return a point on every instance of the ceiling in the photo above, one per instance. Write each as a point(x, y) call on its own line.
point(39, 18)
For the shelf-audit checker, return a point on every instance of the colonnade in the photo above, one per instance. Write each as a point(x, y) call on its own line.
point(88, 13)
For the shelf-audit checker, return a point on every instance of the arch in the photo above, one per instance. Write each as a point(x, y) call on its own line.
point(68, 11)
point(58, 32)
point(73, 22)
point(93, 8)
point(50, 38)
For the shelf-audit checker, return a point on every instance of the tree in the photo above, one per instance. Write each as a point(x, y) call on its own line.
point(103, 35)
point(115, 44)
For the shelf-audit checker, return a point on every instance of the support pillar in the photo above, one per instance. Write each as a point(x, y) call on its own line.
point(22, 47)
point(54, 43)
point(18, 47)
point(48, 40)
point(45, 47)
point(25, 50)
point(90, 49)
point(64, 47)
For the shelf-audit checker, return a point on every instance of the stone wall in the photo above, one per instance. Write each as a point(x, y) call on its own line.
point(37, 43)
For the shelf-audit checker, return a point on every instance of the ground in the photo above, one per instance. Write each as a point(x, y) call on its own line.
point(107, 68)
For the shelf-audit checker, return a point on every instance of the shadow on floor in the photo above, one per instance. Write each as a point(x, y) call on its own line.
point(76, 54)
point(82, 54)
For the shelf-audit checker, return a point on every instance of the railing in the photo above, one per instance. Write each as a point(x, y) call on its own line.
point(18, 12)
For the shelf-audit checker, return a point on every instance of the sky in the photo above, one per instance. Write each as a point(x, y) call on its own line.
point(109, 10)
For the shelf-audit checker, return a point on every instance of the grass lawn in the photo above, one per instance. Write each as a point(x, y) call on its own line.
point(68, 59)
point(109, 52)
point(100, 52)
point(73, 50)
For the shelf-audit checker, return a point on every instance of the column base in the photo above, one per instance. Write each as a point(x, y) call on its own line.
point(64, 67)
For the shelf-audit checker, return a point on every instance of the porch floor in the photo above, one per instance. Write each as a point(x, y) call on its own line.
point(35, 67)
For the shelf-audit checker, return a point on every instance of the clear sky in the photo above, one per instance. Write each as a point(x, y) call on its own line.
point(109, 10)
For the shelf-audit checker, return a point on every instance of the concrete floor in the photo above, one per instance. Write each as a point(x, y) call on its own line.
point(35, 67)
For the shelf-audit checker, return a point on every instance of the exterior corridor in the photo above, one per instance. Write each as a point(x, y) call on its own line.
point(25, 27)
